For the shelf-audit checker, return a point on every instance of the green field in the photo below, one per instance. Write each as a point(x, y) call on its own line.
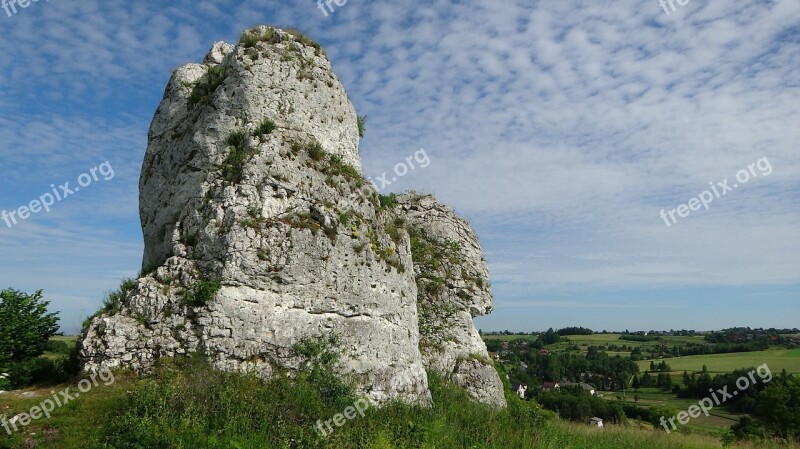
point(600, 340)
point(605, 339)
point(707, 425)
point(70, 339)
point(531, 337)
point(776, 360)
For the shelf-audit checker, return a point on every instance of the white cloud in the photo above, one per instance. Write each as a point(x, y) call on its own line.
point(560, 129)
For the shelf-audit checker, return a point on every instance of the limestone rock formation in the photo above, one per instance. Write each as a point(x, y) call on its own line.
point(261, 234)
point(453, 283)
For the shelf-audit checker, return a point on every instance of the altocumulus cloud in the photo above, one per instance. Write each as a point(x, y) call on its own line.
point(559, 128)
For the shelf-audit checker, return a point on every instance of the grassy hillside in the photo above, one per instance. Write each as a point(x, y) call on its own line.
point(531, 337)
point(776, 359)
point(187, 405)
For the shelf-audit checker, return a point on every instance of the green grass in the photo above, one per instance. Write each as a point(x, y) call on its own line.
point(776, 359)
point(531, 337)
point(708, 425)
point(185, 404)
point(613, 339)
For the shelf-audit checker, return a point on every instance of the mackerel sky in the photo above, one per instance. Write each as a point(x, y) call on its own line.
point(559, 129)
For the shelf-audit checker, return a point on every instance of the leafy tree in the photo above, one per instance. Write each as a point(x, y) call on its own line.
point(656, 412)
point(779, 408)
point(25, 328)
point(550, 337)
point(747, 429)
point(647, 381)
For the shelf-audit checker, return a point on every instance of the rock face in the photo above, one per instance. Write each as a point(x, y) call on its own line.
point(261, 235)
point(453, 287)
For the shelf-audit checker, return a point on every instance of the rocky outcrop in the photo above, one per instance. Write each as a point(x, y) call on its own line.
point(261, 235)
point(453, 283)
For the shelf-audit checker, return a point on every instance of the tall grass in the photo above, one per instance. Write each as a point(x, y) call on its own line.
point(186, 404)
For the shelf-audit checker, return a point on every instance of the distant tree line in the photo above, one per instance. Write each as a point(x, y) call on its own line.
point(596, 367)
point(763, 337)
point(639, 337)
point(575, 331)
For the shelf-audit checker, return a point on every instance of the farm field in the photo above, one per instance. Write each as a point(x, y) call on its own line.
point(584, 341)
point(600, 340)
point(531, 337)
point(776, 359)
point(709, 425)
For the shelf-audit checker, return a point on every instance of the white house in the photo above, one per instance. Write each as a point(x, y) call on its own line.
point(519, 389)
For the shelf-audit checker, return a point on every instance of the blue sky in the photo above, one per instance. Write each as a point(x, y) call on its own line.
point(560, 129)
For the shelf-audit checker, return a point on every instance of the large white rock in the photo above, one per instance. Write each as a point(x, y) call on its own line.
point(294, 237)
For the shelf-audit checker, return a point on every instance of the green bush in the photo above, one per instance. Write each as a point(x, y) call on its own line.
point(387, 201)
point(233, 165)
point(114, 299)
point(302, 38)
point(251, 38)
point(362, 125)
point(337, 167)
point(315, 151)
point(58, 347)
point(205, 88)
point(25, 328)
point(202, 292)
point(265, 127)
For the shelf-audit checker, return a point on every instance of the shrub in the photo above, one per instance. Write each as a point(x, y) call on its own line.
point(387, 201)
point(205, 88)
point(301, 220)
point(362, 122)
point(251, 38)
point(57, 346)
point(315, 151)
point(25, 328)
point(337, 167)
point(265, 127)
point(202, 292)
point(233, 165)
point(114, 299)
point(189, 238)
point(302, 38)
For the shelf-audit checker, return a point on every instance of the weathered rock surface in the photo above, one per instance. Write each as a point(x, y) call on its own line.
point(259, 238)
point(453, 283)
